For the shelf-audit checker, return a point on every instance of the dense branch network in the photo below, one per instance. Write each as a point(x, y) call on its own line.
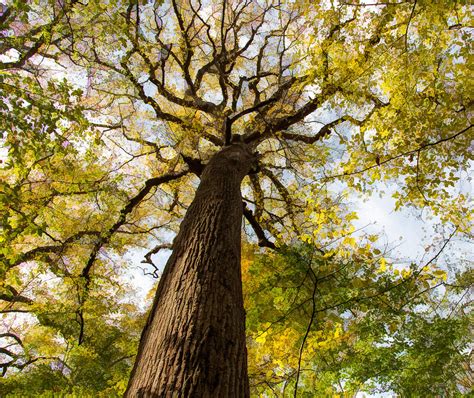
point(203, 76)
point(224, 52)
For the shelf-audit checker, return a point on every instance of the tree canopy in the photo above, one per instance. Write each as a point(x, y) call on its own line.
point(111, 110)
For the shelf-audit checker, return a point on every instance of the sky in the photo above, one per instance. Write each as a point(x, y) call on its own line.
point(408, 232)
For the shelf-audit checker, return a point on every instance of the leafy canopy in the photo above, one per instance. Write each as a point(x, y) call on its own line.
point(110, 110)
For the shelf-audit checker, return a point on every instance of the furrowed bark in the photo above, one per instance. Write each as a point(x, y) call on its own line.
point(193, 344)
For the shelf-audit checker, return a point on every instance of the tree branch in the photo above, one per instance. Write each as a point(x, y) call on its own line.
point(262, 239)
point(129, 207)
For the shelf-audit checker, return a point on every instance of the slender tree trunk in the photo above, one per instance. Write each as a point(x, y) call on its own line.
point(193, 344)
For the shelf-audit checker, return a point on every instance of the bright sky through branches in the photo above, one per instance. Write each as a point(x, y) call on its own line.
point(345, 131)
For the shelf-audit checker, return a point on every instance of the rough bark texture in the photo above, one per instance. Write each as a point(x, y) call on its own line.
point(193, 344)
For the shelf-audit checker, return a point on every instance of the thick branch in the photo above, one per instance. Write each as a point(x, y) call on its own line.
point(284, 123)
point(262, 239)
point(133, 202)
point(51, 249)
point(379, 162)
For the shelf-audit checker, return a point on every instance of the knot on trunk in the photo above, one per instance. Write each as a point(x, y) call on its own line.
point(236, 158)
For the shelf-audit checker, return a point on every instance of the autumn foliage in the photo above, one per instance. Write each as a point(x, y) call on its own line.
point(111, 110)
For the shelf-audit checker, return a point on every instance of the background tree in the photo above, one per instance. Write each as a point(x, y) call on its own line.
point(166, 85)
point(319, 327)
point(50, 169)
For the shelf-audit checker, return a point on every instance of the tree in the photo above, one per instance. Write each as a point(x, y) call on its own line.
point(162, 94)
point(328, 328)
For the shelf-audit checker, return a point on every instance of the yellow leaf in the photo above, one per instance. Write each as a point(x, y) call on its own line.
point(383, 265)
point(350, 241)
point(262, 338)
point(440, 274)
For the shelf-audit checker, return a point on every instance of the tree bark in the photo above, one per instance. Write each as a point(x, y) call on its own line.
point(193, 344)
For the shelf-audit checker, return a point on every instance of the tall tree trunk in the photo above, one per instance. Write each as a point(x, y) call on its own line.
point(193, 344)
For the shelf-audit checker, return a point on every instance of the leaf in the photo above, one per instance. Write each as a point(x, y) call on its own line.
point(383, 265)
